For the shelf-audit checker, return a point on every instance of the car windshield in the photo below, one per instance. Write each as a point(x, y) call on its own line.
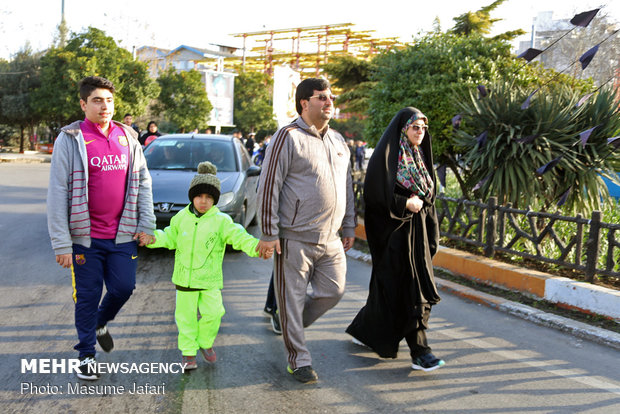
point(186, 154)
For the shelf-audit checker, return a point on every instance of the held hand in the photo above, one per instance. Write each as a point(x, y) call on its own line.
point(138, 235)
point(415, 204)
point(64, 260)
point(347, 242)
point(148, 239)
point(265, 248)
point(145, 239)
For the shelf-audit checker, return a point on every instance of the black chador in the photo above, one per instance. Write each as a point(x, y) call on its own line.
point(402, 244)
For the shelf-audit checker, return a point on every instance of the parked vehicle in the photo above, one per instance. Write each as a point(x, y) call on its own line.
point(173, 161)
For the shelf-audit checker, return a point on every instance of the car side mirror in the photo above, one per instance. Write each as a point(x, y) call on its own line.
point(253, 171)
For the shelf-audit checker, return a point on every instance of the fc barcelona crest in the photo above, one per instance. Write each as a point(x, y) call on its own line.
point(123, 140)
point(80, 259)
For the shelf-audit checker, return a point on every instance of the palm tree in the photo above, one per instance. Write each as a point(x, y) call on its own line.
point(480, 23)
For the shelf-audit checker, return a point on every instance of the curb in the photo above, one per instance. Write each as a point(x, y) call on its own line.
point(25, 158)
point(565, 292)
point(576, 328)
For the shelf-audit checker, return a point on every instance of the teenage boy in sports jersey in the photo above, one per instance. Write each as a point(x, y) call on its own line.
point(99, 201)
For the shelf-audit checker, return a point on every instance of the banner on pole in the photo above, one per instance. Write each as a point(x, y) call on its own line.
point(220, 91)
point(285, 81)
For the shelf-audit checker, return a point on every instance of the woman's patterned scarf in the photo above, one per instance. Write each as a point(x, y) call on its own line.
point(412, 173)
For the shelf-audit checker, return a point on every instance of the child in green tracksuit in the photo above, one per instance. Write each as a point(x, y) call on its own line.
point(199, 233)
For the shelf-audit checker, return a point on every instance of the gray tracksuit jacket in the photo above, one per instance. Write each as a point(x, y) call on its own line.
point(68, 220)
point(305, 191)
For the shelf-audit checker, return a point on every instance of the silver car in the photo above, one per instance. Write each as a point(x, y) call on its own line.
point(173, 161)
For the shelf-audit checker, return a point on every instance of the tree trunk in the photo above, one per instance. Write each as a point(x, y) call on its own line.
point(31, 140)
point(21, 139)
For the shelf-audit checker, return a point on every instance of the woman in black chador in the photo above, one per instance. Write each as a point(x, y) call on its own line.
point(402, 232)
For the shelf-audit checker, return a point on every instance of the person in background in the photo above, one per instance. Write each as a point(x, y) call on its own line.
point(271, 308)
point(128, 120)
point(262, 148)
point(266, 141)
point(306, 196)
point(403, 234)
point(360, 155)
point(95, 212)
point(249, 143)
point(151, 134)
point(352, 148)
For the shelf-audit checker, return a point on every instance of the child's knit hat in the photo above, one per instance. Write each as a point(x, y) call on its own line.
point(205, 182)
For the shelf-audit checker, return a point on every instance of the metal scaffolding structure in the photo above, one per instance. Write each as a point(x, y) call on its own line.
point(306, 48)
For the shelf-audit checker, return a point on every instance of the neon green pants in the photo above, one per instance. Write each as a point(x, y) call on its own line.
point(197, 333)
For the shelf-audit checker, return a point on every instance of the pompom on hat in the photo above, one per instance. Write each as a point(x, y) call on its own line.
point(205, 182)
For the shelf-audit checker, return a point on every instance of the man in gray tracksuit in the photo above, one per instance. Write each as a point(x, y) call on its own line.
point(305, 197)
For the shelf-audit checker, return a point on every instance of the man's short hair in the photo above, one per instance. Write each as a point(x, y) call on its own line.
point(128, 114)
point(306, 89)
point(89, 84)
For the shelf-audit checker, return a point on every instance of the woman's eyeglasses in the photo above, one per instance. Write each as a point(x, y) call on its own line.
point(417, 128)
point(323, 98)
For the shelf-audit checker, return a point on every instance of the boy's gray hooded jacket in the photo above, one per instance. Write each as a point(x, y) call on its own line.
point(68, 218)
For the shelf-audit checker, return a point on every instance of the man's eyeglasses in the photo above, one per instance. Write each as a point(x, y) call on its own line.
point(416, 128)
point(323, 98)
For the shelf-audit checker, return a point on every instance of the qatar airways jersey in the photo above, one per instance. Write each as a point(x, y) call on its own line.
point(108, 161)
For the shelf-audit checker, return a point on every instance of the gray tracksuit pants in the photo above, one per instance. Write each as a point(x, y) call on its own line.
point(324, 267)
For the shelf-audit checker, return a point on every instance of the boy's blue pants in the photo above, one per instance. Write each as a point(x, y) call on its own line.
point(104, 262)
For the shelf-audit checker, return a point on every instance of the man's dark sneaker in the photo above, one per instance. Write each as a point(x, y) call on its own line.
point(88, 368)
point(303, 374)
point(189, 362)
point(105, 339)
point(427, 362)
point(268, 311)
point(275, 323)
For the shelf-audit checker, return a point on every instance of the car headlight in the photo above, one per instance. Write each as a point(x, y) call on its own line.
point(225, 199)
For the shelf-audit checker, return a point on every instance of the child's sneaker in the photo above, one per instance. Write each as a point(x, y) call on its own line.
point(209, 355)
point(88, 368)
point(189, 362)
point(427, 362)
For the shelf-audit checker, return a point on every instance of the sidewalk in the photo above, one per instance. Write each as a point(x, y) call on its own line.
point(27, 156)
point(562, 291)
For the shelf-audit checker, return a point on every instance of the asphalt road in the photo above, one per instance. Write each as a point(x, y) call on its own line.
point(495, 363)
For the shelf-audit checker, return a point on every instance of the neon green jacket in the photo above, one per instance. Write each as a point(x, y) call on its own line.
point(200, 243)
